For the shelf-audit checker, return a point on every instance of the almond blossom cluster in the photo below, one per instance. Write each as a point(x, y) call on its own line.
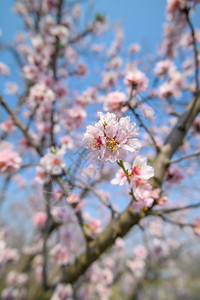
point(97, 286)
point(115, 102)
point(174, 174)
point(4, 69)
point(63, 292)
point(7, 255)
point(60, 254)
point(53, 162)
point(111, 138)
point(40, 93)
point(137, 80)
point(137, 177)
point(10, 161)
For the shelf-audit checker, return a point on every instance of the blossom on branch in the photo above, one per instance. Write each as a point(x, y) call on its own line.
point(111, 138)
point(137, 80)
point(63, 292)
point(53, 162)
point(40, 93)
point(10, 161)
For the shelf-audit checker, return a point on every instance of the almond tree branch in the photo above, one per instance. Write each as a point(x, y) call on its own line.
point(21, 126)
point(117, 228)
point(194, 49)
point(174, 141)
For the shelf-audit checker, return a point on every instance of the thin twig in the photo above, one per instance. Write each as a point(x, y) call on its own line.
point(180, 224)
point(185, 157)
point(21, 126)
point(194, 49)
point(174, 209)
point(145, 127)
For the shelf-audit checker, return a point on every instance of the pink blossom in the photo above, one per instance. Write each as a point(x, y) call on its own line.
point(147, 111)
point(20, 180)
point(20, 8)
point(60, 254)
point(93, 227)
point(14, 278)
point(61, 92)
point(120, 177)
point(186, 40)
point(62, 292)
point(39, 219)
point(174, 174)
point(109, 78)
point(10, 161)
point(137, 80)
point(140, 252)
point(107, 276)
point(8, 126)
point(11, 88)
point(111, 138)
point(177, 79)
point(174, 7)
point(70, 54)
point(53, 162)
point(134, 48)
point(162, 200)
point(163, 67)
point(62, 32)
point(76, 10)
point(4, 69)
point(67, 142)
point(40, 93)
point(144, 197)
point(87, 97)
point(119, 243)
point(196, 125)
point(7, 255)
point(136, 266)
point(73, 199)
point(60, 214)
point(115, 63)
point(75, 117)
point(30, 72)
point(140, 169)
point(81, 70)
point(168, 90)
point(139, 172)
point(114, 102)
point(197, 226)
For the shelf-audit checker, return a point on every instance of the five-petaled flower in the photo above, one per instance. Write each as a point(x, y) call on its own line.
point(111, 137)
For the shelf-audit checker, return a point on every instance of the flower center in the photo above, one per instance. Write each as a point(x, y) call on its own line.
point(97, 143)
point(112, 144)
point(136, 170)
point(56, 161)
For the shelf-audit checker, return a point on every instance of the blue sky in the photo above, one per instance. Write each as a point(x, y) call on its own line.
point(142, 20)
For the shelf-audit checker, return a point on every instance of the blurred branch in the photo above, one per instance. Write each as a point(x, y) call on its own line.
point(5, 187)
point(175, 209)
point(21, 126)
point(185, 157)
point(14, 52)
point(118, 227)
point(192, 30)
point(180, 224)
point(145, 127)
